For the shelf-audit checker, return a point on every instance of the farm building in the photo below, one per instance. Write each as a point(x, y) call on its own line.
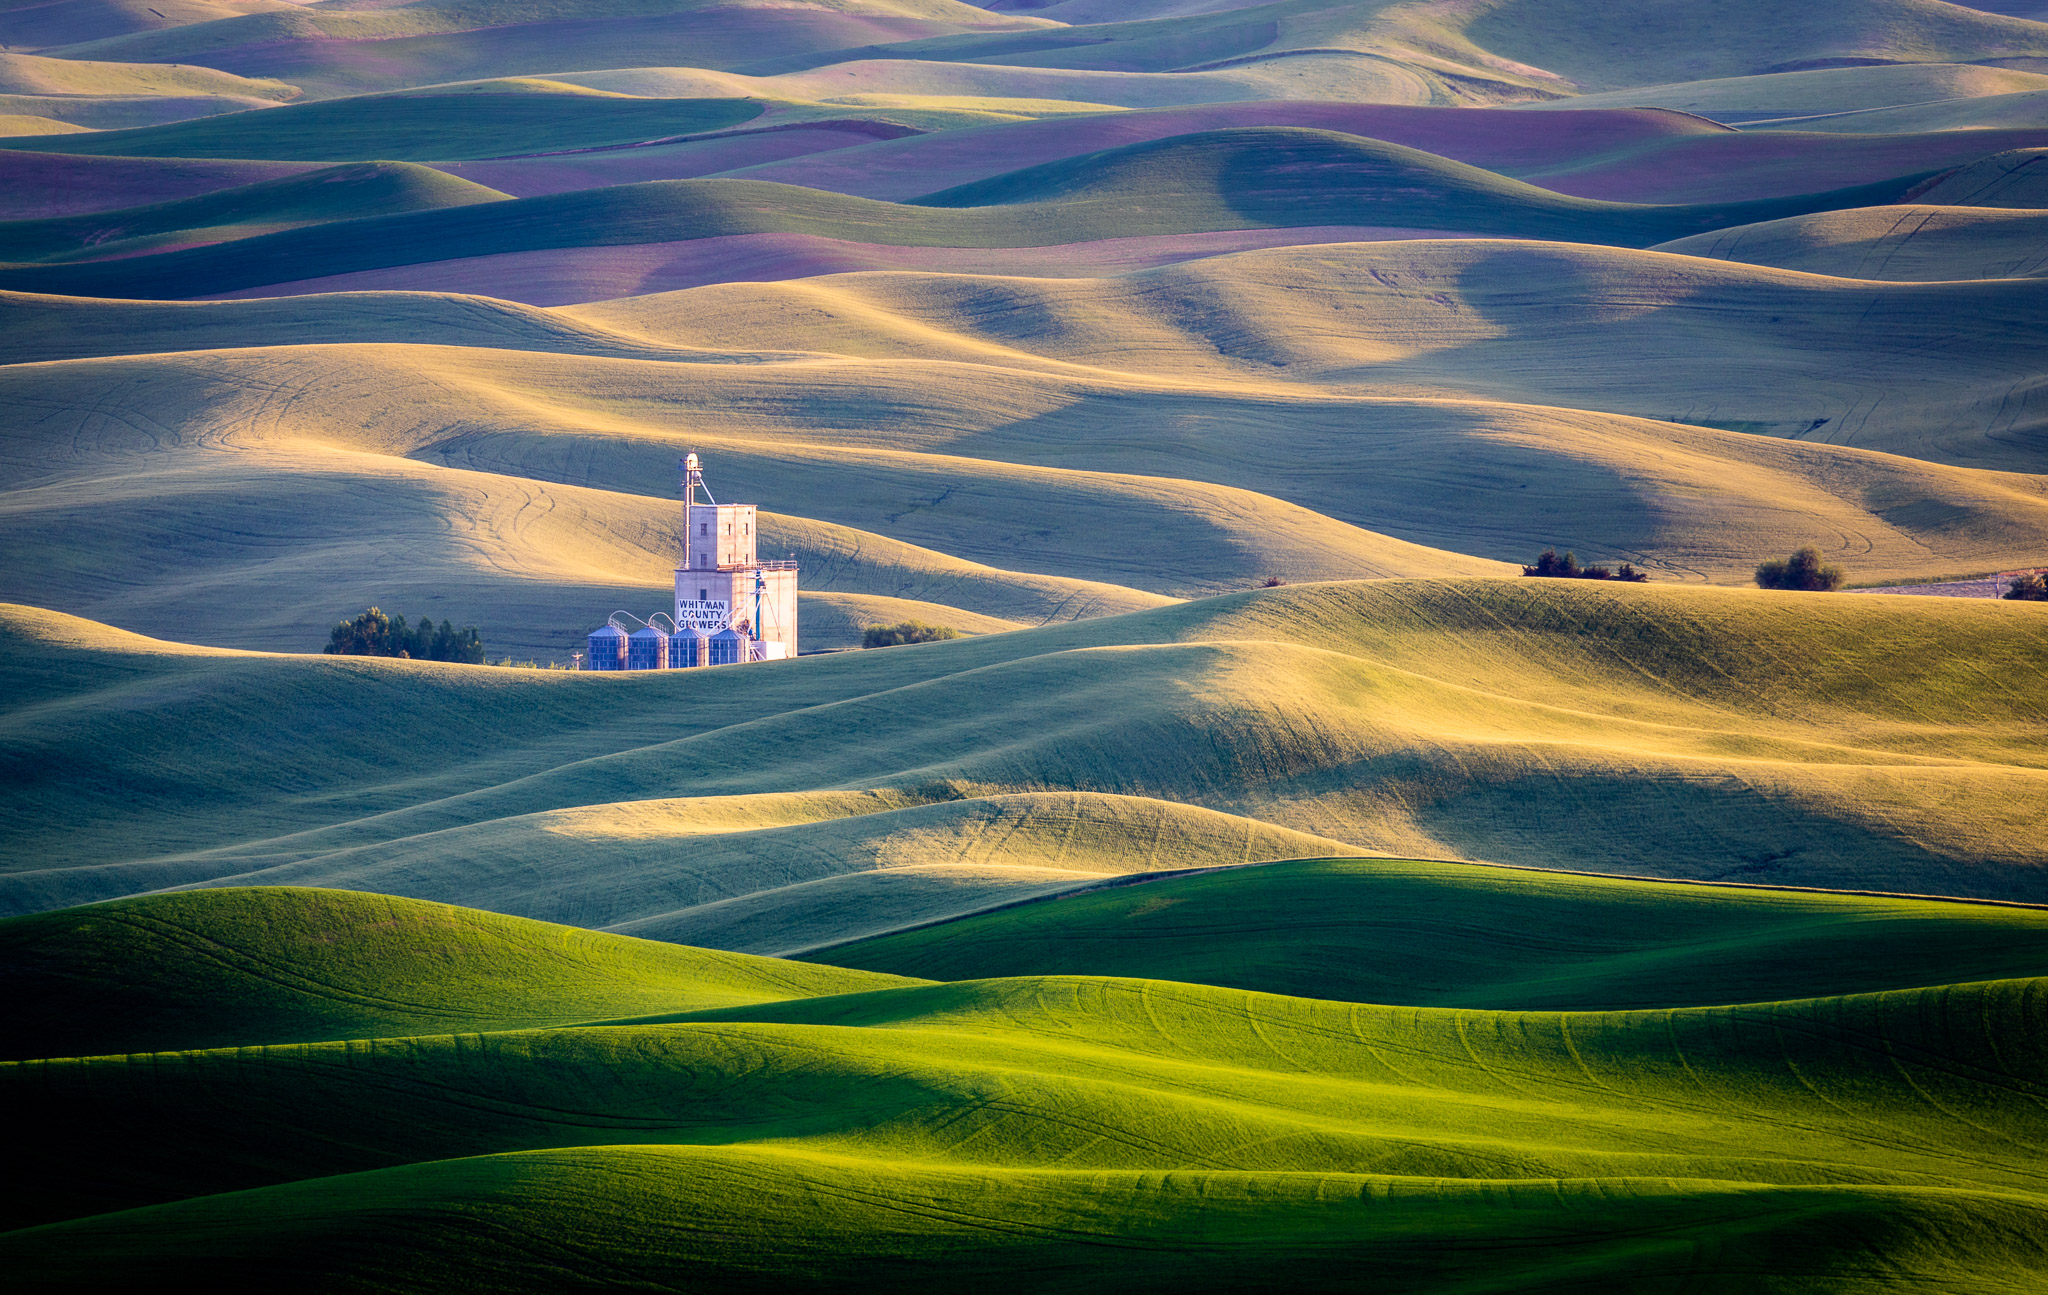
point(731, 607)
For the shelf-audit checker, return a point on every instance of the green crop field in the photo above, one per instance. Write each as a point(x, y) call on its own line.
point(421, 127)
point(1091, 1132)
point(1189, 849)
point(1449, 935)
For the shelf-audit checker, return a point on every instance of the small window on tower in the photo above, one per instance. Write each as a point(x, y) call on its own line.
point(704, 528)
point(703, 595)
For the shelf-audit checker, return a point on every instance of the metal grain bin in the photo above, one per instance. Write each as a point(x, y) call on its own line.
point(729, 647)
point(607, 648)
point(647, 649)
point(688, 646)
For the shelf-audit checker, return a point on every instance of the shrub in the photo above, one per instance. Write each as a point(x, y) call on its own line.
point(375, 634)
point(1567, 568)
point(875, 636)
point(2027, 589)
point(1272, 582)
point(1803, 570)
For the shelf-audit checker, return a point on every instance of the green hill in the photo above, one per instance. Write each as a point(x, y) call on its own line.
point(424, 127)
point(312, 198)
point(1449, 935)
point(222, 968)
point(1079, 1133)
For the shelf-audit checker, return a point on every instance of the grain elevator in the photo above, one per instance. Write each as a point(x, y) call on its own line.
point(731, 606)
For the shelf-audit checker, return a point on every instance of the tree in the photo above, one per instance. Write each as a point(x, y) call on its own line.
point(2027, 589)
point(1551, 565)
point(875, 636)
point(1803, 570)
point(367, 635)
point(375, 634)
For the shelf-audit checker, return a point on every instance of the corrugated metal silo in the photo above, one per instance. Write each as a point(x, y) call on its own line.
point(688, 646)
point(729, 647)
point(647, 649)
point(607, 648)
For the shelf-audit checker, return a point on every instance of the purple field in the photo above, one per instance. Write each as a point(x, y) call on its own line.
point(1510, 142)
point(526, 177)
point(53, 184)
point(568, 276)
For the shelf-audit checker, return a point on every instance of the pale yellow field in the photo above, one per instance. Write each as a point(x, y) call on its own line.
point(1032, 449)
point(1903, 243)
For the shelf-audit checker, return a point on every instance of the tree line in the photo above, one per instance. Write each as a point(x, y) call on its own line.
point(1805, 569)
point(1554, 566)
point(375, 634)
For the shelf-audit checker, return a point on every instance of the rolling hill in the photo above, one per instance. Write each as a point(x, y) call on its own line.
point(466, 455)
point(311, 198)
point(222, 968)
point(1086, 1132)
point(2018, 178)
point(1708, 734)
point(1818, 92)
point(57, 184)
point(1904, 243)
point(71, 22)
point(1621, 155)
point(1233, 179)
point(425, 127)
point(1449, 935)
point(334, 51)
point(1271, 888)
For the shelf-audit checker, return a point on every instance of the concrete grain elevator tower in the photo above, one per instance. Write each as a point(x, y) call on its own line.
point(723, 582)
